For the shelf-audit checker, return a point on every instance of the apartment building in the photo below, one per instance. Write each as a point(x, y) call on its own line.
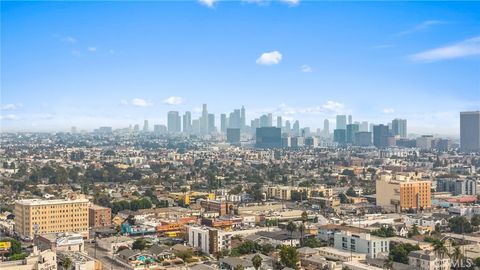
point(396, 194)
point(363, 243)
point(285, 192)
point(428, 260)
point(99, 216)
point(36, 216)
point(210, 240)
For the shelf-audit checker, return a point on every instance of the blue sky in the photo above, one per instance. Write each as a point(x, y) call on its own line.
point(117, 63)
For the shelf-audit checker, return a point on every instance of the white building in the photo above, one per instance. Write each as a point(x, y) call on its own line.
point(428, 260)
point(364, 243)
point(211, 240)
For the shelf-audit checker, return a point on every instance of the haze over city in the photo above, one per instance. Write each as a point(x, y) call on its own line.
point(65, 64)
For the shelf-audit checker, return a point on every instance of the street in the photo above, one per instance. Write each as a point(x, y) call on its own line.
point(104, 257)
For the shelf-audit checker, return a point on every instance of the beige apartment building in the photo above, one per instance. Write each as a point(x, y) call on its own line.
point(285, 192)
point(398, 194)
point(37, 216)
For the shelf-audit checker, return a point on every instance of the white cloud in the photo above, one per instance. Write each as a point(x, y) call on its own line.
point(306, 68)
point(421, 26)
point(9, 117)
point(388, 110)
point(208, 3)
point(468, 47)
point(270, 58)
point(258, 2)
point(334, 106)
point(69, 39)
point(291, 2)
point(328, 108)
point(11, 106)
point(92, 49)
point(173, 101)
point(76, 53)
point(138, 102)
point(124, 102)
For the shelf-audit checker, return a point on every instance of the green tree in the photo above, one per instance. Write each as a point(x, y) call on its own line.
point(301, 229)
point(16, 246)
point(460, 224)
point(343, 198)
point(384, 232)
point(66, 263)
point(351, 192)
point(291, 227)
point(267, 248)
point(399, 253)
point(312, 242)
point(289, 256)
point(475, 221)
point(140, 244)
point(238, 267)
point(257, 261)
point(414, 231)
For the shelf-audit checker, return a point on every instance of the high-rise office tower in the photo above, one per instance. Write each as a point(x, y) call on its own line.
point(145, 126)
point(159, 129)
point(363, 126)
point(173, 122)
point(211, 123)
point(136, 128)
point(341, 122)
point(264, 121)
point(296, 128)
point(326, 128)
point(243, 120)
point(235, 119)
point(288, 128)
point(196, 126)
point(268, 137)
point(270, 120)
point(187, 122)
point(363, 138)
point(399, 127)
point(73, 130)
point(380, 135)
point(279, 122)
point(204, 120)
point(233, 135)
point(340, 136)
point(351, 130)
point(470, 131)
point(350, 119)
point(223, 123)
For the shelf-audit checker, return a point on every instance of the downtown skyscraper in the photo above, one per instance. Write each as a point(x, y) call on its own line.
point(470, 131)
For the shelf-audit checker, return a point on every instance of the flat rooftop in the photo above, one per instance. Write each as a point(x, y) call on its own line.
point(35, 202)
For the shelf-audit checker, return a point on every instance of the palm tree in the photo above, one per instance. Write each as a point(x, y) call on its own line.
point(439, 248)
point(301, 229)
point(457, 257)
point(257, 261)
point(304, 217)
point(291, 227)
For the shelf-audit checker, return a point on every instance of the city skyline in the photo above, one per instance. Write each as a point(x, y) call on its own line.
point(65, 65)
